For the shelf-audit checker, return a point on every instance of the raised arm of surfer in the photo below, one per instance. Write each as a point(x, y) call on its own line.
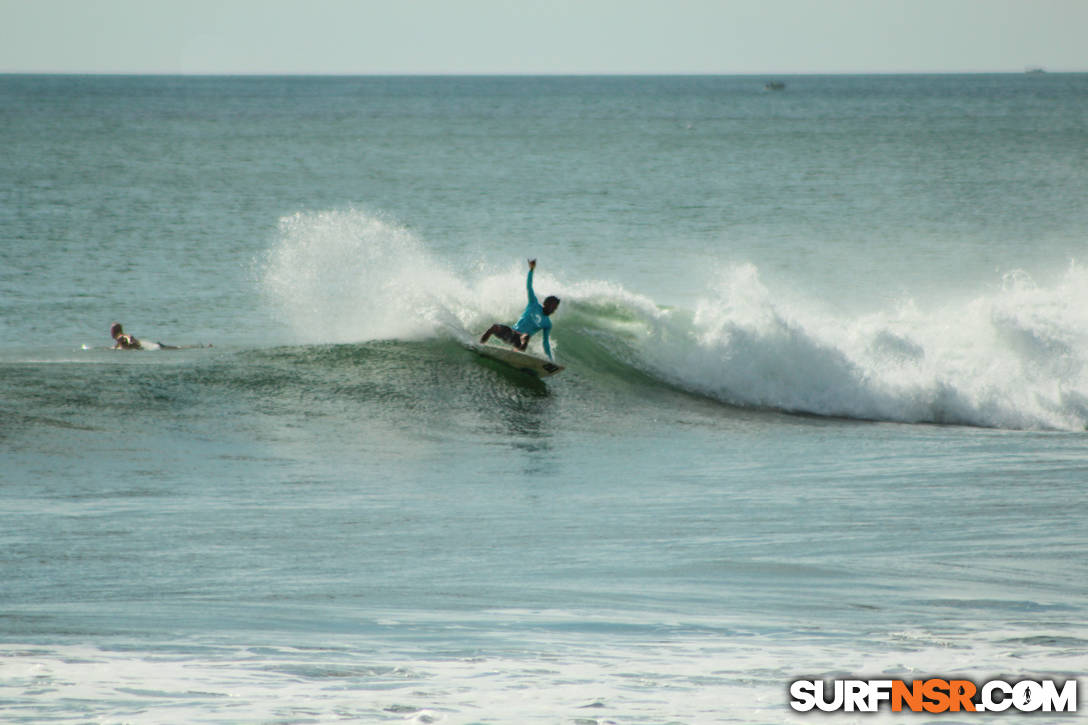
point(534, 318)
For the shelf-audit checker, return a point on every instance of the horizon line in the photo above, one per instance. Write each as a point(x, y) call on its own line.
point(1029, 70)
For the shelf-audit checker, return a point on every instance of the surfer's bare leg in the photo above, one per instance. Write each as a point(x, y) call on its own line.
point(523, 342)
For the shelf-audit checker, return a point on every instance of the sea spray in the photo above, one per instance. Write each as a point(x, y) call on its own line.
point(351, 276)
point(354, 276)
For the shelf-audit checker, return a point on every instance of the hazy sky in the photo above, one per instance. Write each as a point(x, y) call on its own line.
point(541, 36)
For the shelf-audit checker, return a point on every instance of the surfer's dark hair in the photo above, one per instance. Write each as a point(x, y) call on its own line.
point(553, 299)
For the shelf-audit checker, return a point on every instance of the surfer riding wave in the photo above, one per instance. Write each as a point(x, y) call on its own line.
point(534, 318)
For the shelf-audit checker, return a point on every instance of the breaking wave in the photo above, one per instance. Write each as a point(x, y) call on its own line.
point(1013, 356)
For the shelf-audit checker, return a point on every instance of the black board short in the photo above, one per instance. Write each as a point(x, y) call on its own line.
point(507, 334)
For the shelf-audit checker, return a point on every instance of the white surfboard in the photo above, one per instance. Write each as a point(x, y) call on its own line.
point(539, 366)
point(147, 345)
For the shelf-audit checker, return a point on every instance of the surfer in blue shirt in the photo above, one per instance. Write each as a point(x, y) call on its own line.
point(535, 317)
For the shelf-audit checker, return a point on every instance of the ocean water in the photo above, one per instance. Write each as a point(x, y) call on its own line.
point(824, 411)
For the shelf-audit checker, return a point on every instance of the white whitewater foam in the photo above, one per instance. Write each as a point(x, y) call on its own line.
point(1012, 358)
point(740, 678)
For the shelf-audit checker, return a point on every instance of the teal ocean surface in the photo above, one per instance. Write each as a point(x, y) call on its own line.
point(824, 412)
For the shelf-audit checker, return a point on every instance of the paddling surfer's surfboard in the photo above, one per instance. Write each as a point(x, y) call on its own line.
point(147, 345)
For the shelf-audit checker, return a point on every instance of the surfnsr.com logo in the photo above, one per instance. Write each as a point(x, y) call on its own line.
point(934, 695)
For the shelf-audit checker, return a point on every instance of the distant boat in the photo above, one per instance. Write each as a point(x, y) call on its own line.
point(775, 86)
point(1035, 70)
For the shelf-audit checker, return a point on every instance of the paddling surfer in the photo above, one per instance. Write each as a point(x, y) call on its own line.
point(122, 340)
point(534, 318)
